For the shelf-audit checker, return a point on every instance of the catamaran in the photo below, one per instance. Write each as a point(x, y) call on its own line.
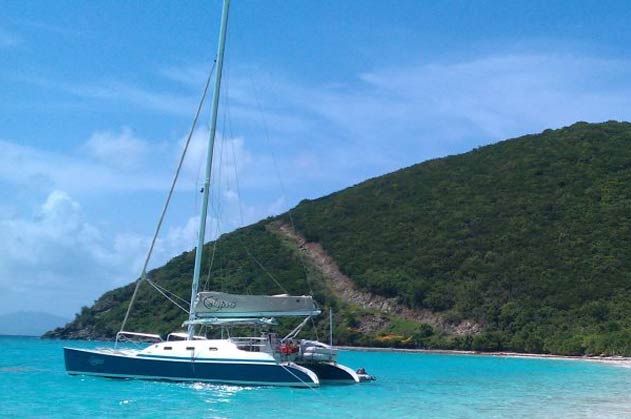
point(265, 359)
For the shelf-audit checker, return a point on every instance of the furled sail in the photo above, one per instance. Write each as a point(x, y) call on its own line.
point(221, 305)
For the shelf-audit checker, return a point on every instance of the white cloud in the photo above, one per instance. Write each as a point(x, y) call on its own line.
point(170, 243)
point(393, 117)
point(434, 107)
point(117, 149)
point(162, 102)
point(231, 159)
point(493, 97)
point(8, 39)
point(277, 206)
point(325, 137)
point(196, 153)
point(58, 252)
point(342, 133)
point(190, 75)
point(52, 253)
point(50, 28)
point(57, 261)
point(166, 102)
point(30, 166)
point(501, 95)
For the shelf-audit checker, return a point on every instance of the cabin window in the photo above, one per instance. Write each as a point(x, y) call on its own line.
point(168, 348)
point(212, 349)
point(190, 348)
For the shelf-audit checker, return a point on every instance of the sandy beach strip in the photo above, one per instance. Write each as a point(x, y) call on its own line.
point(608, 359)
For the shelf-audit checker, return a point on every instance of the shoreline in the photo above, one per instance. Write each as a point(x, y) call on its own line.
point(502, 354)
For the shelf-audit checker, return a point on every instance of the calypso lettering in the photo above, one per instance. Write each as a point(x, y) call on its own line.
point(216, 304)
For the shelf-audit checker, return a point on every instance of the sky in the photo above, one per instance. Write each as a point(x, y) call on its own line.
point(97, 98)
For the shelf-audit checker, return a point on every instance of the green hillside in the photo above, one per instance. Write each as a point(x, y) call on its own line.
point(234, 270)
point(530, 238)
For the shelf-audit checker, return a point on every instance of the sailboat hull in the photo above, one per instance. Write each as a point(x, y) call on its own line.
point(222, 371)
point(332, 372)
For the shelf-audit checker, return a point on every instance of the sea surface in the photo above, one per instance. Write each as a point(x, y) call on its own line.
point(33, 384)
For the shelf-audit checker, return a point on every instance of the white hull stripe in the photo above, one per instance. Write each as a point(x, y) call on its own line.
point(209, 360)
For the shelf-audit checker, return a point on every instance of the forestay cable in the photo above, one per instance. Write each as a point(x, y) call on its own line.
point(143, 275)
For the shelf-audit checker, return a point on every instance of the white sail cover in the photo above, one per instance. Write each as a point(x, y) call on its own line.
point(221, 305)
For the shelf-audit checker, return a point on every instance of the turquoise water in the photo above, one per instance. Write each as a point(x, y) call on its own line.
point(33, 384)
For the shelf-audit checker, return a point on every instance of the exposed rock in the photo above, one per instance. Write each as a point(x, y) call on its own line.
point(345, 289)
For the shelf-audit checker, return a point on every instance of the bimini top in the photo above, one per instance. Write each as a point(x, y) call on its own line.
point(223, 305)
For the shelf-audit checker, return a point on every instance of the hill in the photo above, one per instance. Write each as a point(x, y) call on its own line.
point(522, 245)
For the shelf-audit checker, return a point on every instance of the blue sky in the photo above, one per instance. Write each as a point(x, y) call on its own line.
point(97, 98)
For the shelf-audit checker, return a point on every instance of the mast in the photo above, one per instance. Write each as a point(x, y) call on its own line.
point(209, 160)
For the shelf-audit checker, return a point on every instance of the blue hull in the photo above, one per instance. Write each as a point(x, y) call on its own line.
point(93, 362)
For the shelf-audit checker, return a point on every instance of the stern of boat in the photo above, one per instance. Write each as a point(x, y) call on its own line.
point(332, 372)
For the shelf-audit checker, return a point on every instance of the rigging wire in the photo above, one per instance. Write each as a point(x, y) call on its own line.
point(282, 185)
point(217, 202)
point(212, 254)
point(164, 292)
point(143, 275)
point(238, 192)
point(158, 287)
point(266, 135)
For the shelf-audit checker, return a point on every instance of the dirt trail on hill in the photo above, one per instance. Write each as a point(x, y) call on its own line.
point(344, 287)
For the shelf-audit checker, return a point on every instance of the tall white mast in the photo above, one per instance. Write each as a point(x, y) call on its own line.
point(209, 160)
